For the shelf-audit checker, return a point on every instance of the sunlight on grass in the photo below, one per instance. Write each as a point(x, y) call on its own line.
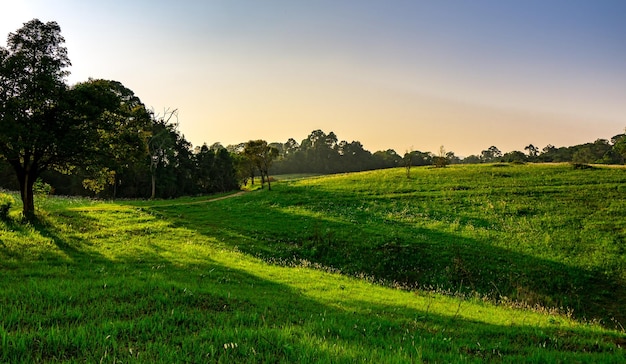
point(230, 281)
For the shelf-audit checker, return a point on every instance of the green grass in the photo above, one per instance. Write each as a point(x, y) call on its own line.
point(187, 281)
point(544, 235)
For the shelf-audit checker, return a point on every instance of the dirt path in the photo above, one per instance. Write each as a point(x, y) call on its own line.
point(203, 201)
point(103, 208)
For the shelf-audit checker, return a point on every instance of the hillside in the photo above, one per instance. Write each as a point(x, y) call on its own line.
point(550, 235)
point(255, 278)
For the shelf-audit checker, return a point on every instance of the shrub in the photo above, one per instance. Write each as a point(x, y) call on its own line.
point(6, 201)
point(582, 166)
point(42, 188)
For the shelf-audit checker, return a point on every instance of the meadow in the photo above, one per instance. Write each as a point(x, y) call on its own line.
point(499, 263)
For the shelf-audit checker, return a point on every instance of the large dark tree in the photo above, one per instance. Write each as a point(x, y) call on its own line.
point(123, 125)
point(37, 129)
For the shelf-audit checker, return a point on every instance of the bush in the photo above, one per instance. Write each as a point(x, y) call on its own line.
point(6, 201)
point(42, 188)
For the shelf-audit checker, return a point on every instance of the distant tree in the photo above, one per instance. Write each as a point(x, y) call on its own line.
point(39, 128)
point(599, 151)
point(290, 147)
point(204, 163)
point(244, 167)
point(441, 160)
point(452, 158)
point(548, 148)
point(514, 157)
point(216, 146)
point(215, 170)
point(547, 153)
point(353, 156)
point(386, 159)
point(472, 159)
point(261, 154)
point(533, 152)
point(492, 154)
point(321, 152)
point(422, 158)
point(407, 161)
point(619, 147)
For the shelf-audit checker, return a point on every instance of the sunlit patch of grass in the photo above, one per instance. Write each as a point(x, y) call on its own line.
point(546, 234)
point(170, 282)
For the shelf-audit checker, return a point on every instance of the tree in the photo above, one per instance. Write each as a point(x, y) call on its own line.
point(514, 157)
point(353, 156)
point(290, 147)
point(261, 155)
point(408, 162)
point(215, 170)
point(619, 147)
point(533, 151)
point(123, 126)
point(161, 144)
point(472, 159)
point(441, 160)
point(321, 151)
point(386, 159)
point(452, 158)
point(39, 127)
point(490, 155)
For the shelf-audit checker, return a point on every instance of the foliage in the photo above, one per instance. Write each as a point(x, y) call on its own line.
point(123, 127)
point(442, 159)
point(99, 180)
point(261, 155)
point(103, 282)
point(6, 202)
point(42, 188)
point(216, 170)
point(491, 154)
point(37, 130)
point(324, 153)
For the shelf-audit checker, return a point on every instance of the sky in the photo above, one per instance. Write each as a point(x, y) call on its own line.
point(392, 74)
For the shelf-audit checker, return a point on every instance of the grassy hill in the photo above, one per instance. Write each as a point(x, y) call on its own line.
point(294, 275)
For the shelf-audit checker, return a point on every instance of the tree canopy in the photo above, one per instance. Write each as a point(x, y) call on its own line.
point(38, 128)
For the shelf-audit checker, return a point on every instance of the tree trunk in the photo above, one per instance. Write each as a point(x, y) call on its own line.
point(115, 186)
point(153, 186)
point(26, 180)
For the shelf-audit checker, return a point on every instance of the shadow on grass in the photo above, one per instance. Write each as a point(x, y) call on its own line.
point(399, 253)
point(71, 245)
point(192, 308)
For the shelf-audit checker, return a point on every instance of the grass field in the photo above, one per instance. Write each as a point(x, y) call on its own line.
point(309, 272)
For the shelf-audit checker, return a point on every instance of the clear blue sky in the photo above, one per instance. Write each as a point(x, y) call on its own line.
point(391, 74)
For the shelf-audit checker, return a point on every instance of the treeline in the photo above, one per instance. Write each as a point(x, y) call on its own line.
point(602, 151)
point(324, 153)
point(164, 165)
point(98, 138)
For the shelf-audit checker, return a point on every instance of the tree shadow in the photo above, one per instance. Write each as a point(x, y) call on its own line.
point(70, 245)
point(399, 253)
point(187, 298)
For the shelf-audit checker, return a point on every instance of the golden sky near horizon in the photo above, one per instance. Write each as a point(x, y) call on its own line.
point(394, 74)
